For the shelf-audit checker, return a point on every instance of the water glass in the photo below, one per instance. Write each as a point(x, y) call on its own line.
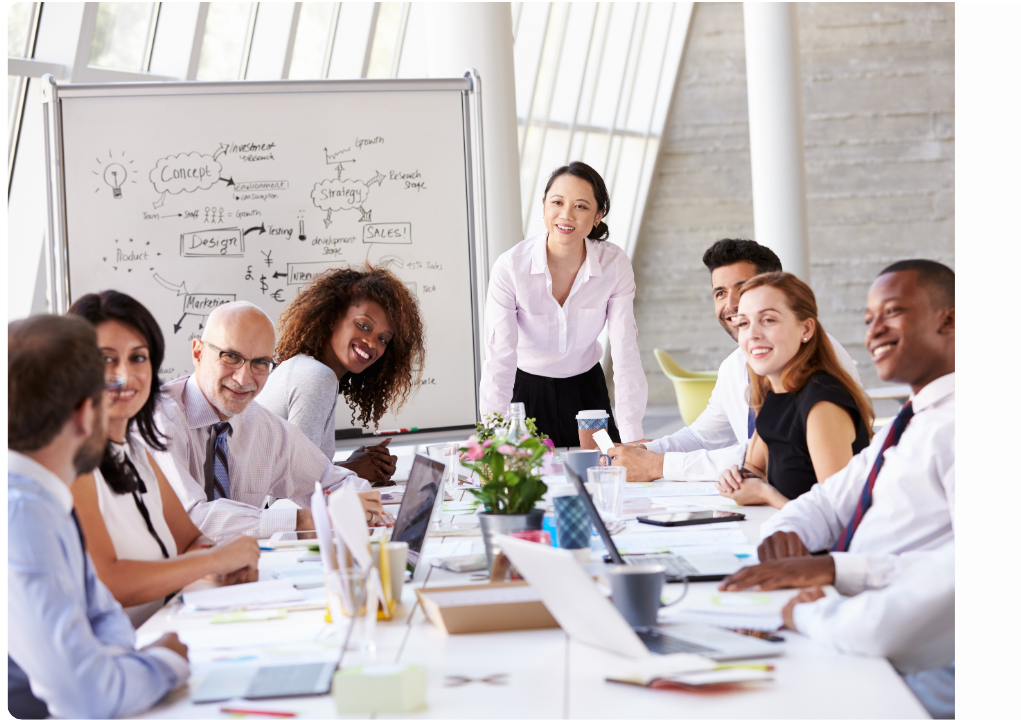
point(607, 488)
point(446, 453)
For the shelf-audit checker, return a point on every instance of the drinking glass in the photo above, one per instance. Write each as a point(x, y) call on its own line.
point(446, 453)
point(607, 485)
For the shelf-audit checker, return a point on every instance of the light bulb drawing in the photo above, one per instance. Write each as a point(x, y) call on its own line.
point(114, 176)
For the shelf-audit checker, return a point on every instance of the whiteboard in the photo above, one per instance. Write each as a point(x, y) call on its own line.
point(189, 195)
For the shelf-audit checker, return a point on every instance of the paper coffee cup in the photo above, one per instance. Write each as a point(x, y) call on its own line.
point(590, 422)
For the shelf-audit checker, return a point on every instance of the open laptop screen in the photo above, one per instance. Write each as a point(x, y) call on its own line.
point(425, 485)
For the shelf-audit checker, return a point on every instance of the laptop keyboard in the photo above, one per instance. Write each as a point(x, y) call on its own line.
point(286, 680)
point(675, 566)
point(662, 644)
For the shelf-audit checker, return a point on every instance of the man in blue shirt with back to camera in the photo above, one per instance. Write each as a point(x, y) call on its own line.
point(70, 646)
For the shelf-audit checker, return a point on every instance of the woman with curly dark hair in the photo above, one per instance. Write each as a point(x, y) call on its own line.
point(353, 332)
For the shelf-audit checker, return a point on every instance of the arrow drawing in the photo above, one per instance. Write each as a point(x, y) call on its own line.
point(279, 274)
point(230, 181)
point(378, 179)
point(221, 151)
point(327, 221)
point(179, 289)
point(159, 203)
point(177, 325)
point(260, 228)
point(170, 215)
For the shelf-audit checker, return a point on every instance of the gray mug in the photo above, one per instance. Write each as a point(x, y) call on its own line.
point(577, 463)
point(636, 592)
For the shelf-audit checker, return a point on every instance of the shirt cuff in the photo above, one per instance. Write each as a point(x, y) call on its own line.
point(630, 433)
point(809, 618)
point(276, 520)
point(850, 571)
point(673, 466)
point(177, 664)
point(655, 446)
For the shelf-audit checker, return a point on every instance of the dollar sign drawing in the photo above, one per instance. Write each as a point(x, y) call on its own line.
point(249, 275)
point(262, 282)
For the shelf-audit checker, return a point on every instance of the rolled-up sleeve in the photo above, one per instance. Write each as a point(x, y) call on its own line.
point(501, 338)
point(631, 389)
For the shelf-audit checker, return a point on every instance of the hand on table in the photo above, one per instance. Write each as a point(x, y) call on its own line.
point(792, 572)
point(237, 560)
point(642, 465)
point(372, 462)
point(171, 642)
point(805, 596)
point(372, 503)
point(239, 576)
point(780, 545)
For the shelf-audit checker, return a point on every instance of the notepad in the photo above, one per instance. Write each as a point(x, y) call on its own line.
point(643, 490)
point(243, 596)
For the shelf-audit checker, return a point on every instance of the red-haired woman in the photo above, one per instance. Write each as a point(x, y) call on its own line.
point(811, 416)
point(353, 332)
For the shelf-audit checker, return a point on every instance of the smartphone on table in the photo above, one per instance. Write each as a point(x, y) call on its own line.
point(698, 517)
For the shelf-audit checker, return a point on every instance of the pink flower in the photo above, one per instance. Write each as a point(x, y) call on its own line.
point(525, 437)
point(506, 449)
point(475, 452)
point(523, 453)
point(472, 441)
point(548, 443)
point(487, 443)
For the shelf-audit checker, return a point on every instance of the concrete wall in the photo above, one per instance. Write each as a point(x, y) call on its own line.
point(878, 94)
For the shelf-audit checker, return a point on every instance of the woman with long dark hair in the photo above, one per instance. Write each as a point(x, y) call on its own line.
point(142, 542)
point(811, 416)
point(550, 296)
point(357, 333)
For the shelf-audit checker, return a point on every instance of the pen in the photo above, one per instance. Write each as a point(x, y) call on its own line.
point(397, 431)
point(743, 666)
point(250, 711)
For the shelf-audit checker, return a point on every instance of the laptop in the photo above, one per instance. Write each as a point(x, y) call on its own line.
point(571, 596)
point(696, 568)
point(423, 491)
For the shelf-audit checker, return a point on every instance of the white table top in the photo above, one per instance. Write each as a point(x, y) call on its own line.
point(547, 675)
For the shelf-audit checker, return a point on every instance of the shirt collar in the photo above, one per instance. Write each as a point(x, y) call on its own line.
point(198, 411)
point(591, 266)
point(23, 465)
point(933, 393)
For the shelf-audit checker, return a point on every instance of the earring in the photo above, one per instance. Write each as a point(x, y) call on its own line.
point(804, 339)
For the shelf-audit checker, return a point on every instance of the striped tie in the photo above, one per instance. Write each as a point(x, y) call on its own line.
point(892, 438)
point(221, 478)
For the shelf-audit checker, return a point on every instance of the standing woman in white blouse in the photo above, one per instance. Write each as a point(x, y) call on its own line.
point(549, 298)
point(143, 543)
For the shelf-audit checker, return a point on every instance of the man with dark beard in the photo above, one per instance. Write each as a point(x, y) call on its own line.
point(719, 436)
point(71, 648)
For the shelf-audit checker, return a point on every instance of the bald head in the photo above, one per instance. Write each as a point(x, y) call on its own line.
point(235, 330)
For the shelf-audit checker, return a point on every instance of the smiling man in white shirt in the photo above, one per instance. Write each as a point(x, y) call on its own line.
point(225, 453)
point(718, 438)
point(896, 496)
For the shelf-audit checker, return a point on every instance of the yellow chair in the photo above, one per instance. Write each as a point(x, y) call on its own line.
point(693, 388)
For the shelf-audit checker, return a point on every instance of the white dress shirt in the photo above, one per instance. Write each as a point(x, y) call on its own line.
point(718, 437)
point(266, 456)
point(527, 328)
point(912, 501)
point(910, 621)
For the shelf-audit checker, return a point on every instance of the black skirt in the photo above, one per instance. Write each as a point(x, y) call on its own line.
point(554, 402)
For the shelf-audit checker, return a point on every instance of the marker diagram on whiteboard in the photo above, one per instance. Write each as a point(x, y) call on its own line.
point(245, 206)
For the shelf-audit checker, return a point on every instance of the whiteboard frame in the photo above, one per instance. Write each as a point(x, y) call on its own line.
point(58, 270)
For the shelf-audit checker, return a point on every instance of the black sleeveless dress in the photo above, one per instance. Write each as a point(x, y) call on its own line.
point(782, 424)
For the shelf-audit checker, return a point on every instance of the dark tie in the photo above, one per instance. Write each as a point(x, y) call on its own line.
point(221, 478)
point(865, 502)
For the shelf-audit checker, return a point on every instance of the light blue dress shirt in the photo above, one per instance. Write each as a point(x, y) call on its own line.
point(68, 639)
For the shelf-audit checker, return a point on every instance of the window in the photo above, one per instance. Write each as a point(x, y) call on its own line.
point(123, 36)
point(228, 37)
point(317, 29)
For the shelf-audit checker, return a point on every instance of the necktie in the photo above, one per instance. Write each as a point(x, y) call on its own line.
point(865, 502)
point(221, 479)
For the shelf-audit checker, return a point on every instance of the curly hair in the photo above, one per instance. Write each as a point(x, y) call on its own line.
point(306, 328)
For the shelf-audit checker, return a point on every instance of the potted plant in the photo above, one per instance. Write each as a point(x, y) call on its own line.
point(511, 485)
point(496, 425)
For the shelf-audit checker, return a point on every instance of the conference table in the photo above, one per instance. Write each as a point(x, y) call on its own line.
point(524, 674)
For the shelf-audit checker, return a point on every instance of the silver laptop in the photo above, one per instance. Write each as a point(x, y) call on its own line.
point(572, 597)
point(696, 568)
point(423, 492)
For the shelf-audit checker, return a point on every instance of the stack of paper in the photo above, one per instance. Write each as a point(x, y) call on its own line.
point(248, 595)
point(749, 610)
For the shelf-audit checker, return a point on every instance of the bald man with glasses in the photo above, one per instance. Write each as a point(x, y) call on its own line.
point(225, 454)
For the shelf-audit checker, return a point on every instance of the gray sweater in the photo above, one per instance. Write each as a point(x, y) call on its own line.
point(303, 392)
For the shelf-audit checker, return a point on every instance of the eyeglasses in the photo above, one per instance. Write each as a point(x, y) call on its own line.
point(260, 366)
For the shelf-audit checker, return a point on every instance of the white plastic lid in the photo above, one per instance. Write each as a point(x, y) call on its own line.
point(591, 415)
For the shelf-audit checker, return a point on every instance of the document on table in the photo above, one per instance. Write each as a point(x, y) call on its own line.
point(680, 538)
point(748, 610)
point(256, 594)
point(650, 490)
